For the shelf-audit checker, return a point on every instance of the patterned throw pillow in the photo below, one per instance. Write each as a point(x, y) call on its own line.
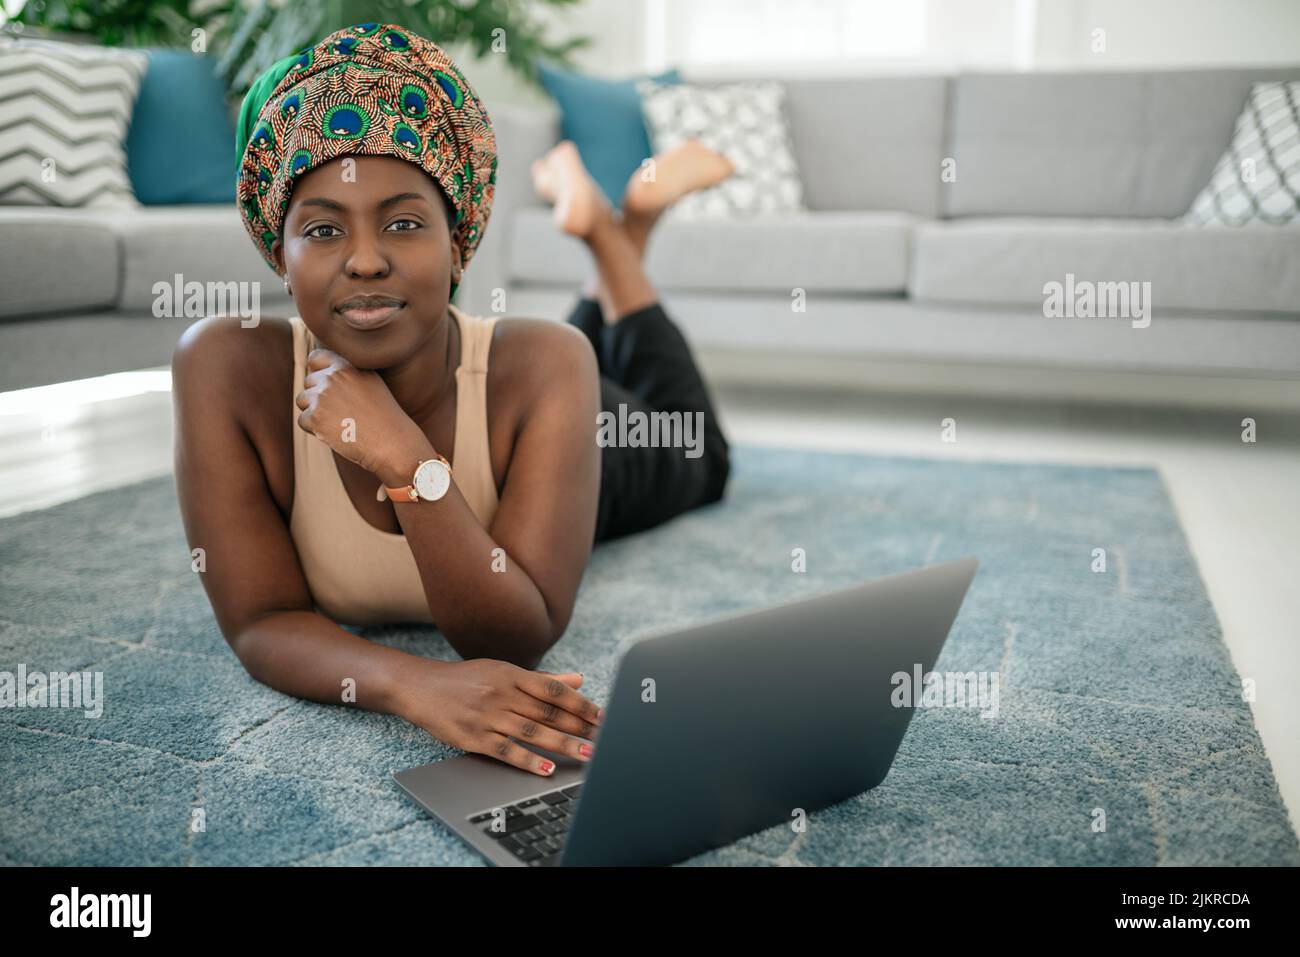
point(746, 122)
point(63, 130)
point(1258, 179)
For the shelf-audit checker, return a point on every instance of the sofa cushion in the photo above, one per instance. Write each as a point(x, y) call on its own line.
point(827, 252)
point(1257, 178)
point(726, 326)
point(78, 345)
point(203, 243)
point(1092, 144)
point(66, 110)
point(1008, 261)
point(746, 123)
point(869, 142)
point(54, 260)
point(181, 155)
point(603, 118)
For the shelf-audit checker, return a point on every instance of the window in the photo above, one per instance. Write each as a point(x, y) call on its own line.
point(724, 32)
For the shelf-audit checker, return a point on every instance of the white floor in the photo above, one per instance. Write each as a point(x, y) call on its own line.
point(1237, 501)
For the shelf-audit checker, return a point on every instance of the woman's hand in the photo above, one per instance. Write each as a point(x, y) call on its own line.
point(352, 411)
point(478, 705)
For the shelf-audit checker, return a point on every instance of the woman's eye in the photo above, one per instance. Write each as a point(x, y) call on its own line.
point(315, 231)
point(412, 223)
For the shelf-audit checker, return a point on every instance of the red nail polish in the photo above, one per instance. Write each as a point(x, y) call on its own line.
point(546, 767)
point(584, 750)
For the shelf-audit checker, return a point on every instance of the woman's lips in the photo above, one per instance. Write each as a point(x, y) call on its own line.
point(370, 317)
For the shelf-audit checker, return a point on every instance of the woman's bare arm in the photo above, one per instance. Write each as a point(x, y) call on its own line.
point(252, 574)
point(263, 605)
point(505, 592)
point(508, 592)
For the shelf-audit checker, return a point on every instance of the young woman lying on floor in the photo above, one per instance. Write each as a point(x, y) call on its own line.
point(385, 457)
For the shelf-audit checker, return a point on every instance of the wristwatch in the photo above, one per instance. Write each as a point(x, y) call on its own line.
point(431, 480)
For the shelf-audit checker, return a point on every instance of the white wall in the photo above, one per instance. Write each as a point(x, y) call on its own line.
point(717, 38)
point(1059, 34)
point(801, 37)
point(1168, 33)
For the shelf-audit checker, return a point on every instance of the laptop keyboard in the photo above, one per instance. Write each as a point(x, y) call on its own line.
point(535, 828)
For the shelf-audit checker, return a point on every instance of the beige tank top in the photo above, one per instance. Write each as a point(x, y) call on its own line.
point(358, 574)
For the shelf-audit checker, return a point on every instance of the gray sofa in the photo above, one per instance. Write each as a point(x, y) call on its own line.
point(912, 280)
point(76, 285)
point(909, 280)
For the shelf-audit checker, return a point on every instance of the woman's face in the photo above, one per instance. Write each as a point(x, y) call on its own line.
point(379, 229)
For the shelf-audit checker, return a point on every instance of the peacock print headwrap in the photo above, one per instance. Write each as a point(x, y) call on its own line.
point(373, 89)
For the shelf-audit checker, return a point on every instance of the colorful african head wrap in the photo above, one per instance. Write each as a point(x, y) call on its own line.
point(375, 90)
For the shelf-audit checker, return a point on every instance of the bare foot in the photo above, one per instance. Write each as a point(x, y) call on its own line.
point(684, 169)
point(562, 180)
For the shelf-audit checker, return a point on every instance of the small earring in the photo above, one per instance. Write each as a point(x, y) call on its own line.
point(286, 286)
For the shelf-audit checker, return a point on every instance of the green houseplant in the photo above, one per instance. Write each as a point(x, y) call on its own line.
point(247, 36)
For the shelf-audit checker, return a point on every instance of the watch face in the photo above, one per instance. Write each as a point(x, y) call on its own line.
point(432, 480)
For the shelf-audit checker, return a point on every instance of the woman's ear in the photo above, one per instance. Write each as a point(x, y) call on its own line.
point(277, 253)
point(457, 266)
point(457, 271)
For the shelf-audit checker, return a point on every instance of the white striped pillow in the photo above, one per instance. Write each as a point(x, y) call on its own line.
point(64, 114)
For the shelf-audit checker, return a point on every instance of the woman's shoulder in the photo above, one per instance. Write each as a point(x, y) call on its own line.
point(538, 348)
point(231, 379)
point(535, 364)
point(215, 340)
point(236, 358)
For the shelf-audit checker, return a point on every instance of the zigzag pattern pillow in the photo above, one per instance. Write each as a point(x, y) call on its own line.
point(1258, 178)
point(746, 122)
point(64, 114)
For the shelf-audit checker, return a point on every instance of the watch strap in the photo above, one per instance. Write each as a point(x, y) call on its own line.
point(408, 493)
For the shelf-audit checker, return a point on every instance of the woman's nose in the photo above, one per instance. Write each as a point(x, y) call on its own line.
point(366, 259)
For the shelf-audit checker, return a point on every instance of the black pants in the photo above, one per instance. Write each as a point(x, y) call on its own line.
point(646, 366)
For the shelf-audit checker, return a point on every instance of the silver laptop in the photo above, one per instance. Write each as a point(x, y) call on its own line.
point(715, 731)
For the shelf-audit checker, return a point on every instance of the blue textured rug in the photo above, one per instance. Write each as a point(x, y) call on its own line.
point(1116, 689)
